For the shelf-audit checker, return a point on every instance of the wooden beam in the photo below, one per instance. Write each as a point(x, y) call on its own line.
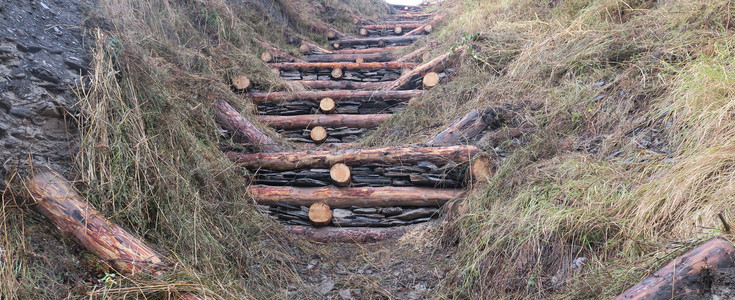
point(369, 50)
point(376, 40)
point(331, 120)
point(337, 197)
point(334, 94)
point(464, 128)
point(277, 52)
point(312, 66)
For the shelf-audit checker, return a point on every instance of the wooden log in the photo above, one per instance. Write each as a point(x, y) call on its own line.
point(336, 73)
point(683, 276)
point(241, 82)
point(464, 129)
point(305, 49)
point(327, 105)
point(57, 199)
point(398, 29)
point(481, 169)
point(375, 40)
point(347, 235)
point(363, 32)
point(241, 129)
point(435, 65)
point(336, 33)
point(313, 66)
point(339, 85)
point(369, 57)
point(333, 120)
point(331, 35)
point(430, 80)
point(279, 53)
point(283, 161)
point(334, 94)
point(340, 174)
point(427, 27)
point(337, 197)
point(408, 26)
point(411, 16)
point(310, 46)
point(360, 60)
point(417, 52)
point(369, 50)
point(318, 134)
point(320, 214)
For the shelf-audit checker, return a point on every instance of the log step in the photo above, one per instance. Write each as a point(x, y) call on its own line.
point(330, 120)
point(369, 50)
point(315, 66)
point(347, 235)
point(337, 197)
point(374, 42)
point(337, 95)
point(339, 85)
point(368, 57)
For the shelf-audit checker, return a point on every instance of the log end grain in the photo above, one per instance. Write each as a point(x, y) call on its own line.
point(320, 214)
point(340, 174)
point(318, 134)
point(398, 29)
point(426, 57)
point(360, 60)
point(336, 73)
point(266, 56)
point(363, 32)
point(430, 80)
point(428, 28)
point(481, 169)
point(327, 105)
point(241, 82)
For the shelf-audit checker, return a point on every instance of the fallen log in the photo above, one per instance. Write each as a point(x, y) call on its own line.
point(410, 16)
point(346, 197)
point(346, 235)
point(334, 94)
point(310, 121)
point(369, 57)
point(241, 129)
point(435, 65)
point(339, 85)
point(684, 276)
point(369, 50)
point(57, 199)
point(386, 40)
point(464, 129)
point(427, 27)
point(334, 33)
point(320, 214)
point(311, 66)
point(324, 159)
point(329, 146)
point(417, 52)
point(279, 53)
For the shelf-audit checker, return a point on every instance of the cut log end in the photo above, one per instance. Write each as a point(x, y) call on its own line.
point(359, 60)
point(363, 32)
point(318, 134)
point(266, 56)
point(428, 28)
point(304, 49)
point(336, 73)
point(241, 82)
point(320, 214)
point(340, 174)
point(335, 45)
point(481, 169)
point(331, 35)
point(327, 105)
point(398, 29)
point(430, 80)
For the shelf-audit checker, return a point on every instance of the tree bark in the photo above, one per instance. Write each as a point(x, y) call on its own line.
point(463, 129)
point(683, 276)
point(339, 85)
point(384, 39)
point(313, 66)
point(278, 52)
point(242, 130)
point(332, 120)
point(368, 50)
point(334, 94)
point(435, 65)
point(370, 57)
point(347, 235)
point(283, 161)
point(426, 26)
point(61, 203)
point(337, 197)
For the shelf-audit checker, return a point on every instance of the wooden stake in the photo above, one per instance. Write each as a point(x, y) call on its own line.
point(337, 95)
point(340, 197)
point(430, 80)
point(320, 214)
point(318, 134)
point(336, 73)
point(241, 82)
point(327, 105)
point(340, 174)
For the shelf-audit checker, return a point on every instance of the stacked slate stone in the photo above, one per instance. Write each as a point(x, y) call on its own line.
point(307, 107)
point(379, 44)
point(361, 75)
point(354, 216)
point(335, 135)
point(384, 32)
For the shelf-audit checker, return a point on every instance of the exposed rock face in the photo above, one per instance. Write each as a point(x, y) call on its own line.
point(42, 55)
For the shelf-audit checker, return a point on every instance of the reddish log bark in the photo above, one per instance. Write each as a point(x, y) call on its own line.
point(683, 276)
point(337, 197)
point(242, 130)
point(312, 66)
point(277, 52)
point(347, 235)
point(369, 50)
point(334, 94)
point(385, 39)
point(339, 85)
point(332, 120)
point(57, 199)
point(369, 57)
point(435, 65)
point(283, 161)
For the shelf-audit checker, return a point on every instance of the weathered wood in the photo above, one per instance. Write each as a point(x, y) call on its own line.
point(320, 214)
point(436, 65)
point(339, 85)
point(387, 40)
point(354, 157)
point(346, 197)
point(57, 199)
point(683, 276)
point(482, 169)
point(331, 35)
point(347, 235)
point(369, 57)
point(279, 53)
point(369, 50)
point(318, 134)
point(427, 27)
point(430, 80)
point(241, 129)
point(327, 105)
point(336, 33)
point(334, 94)
point(340, 174)
point(241, 82)
point(311, 66)
point(464, 128)
point(363, 32)
point(332, 120)
point(417, 52)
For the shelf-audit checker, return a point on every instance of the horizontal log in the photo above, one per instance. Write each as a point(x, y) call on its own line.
point(683, 276)
point(277, 52)
point(308, 107)
point(311, 47)
point(368, 50)
point(337, 197)
point(339, 85)
point(347, 235)
point(241, 129)
point(368, 57)
point(387, 40)
point(329, 146)
point(324, 159)
point(334, 94)
point(392, 26)
point(312, 66)
point(332, 120)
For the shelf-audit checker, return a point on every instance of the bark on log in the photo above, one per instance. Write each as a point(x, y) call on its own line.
point(369, 50)
point(385, 39)
point(329, 146)
point(57, 199)
point(347, 235)
point(283, 161)
point(334, 94)
point(427, 27)
point(417, 52)
point(241, 129)
point(318, 134)
point(339, 85)
point(279, 53)
point(370, 57)
point(309, 121)
point(683, 276)
point(464, 129)
point(436, 65)
point(409, 26)
point(320, 214)
point(312, 66)
point(346, 197)
point(340, 174)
